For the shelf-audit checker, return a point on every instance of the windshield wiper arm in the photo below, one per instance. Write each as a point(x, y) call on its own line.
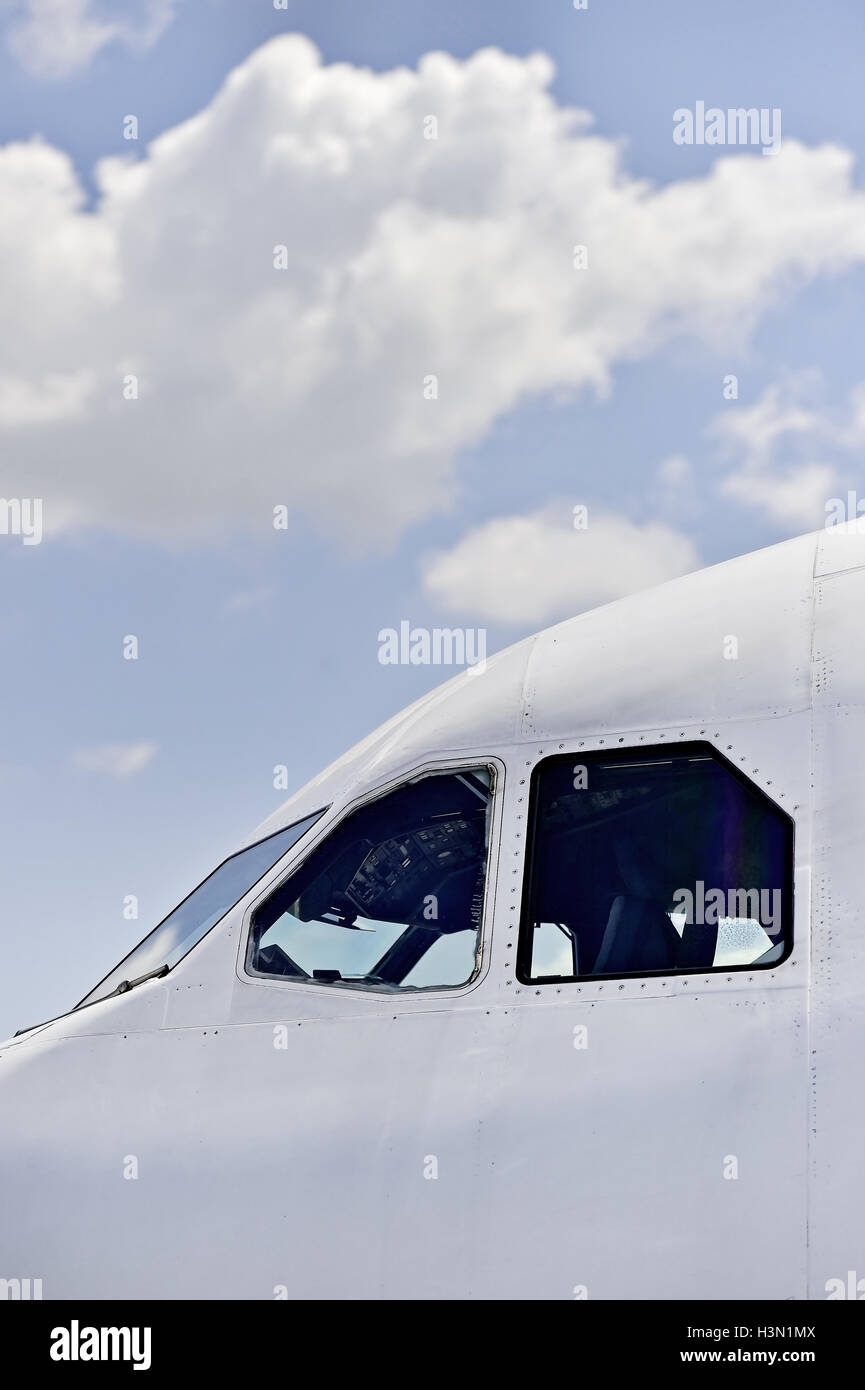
point(126, 985)
point(121, 989)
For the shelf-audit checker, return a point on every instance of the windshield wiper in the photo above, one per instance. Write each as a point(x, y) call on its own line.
point(126, 985)
point(122, 988)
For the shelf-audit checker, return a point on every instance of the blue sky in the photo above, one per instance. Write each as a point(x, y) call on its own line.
point(452, 257)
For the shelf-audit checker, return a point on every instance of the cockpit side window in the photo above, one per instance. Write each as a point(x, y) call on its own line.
point(183, 928)
point(393, 898)
point(654, 862)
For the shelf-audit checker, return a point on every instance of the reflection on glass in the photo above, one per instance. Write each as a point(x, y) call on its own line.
point(667, 861)
point(393, 898)
point(189, 922)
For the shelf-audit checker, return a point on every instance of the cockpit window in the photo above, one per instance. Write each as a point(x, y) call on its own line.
point(653, 863)
point(195, 916)
point(393, 899)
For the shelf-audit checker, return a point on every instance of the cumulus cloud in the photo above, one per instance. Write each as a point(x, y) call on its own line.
point(54, 38)
point(785, 410)
point(405, 258)
point(796, 495)
point(114, 759)
point(529, 569)
point(787, 450)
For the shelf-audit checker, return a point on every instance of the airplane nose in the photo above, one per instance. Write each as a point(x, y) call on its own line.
point(49, 1156)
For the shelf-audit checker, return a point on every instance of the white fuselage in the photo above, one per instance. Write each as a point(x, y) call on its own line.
point(215, 1134)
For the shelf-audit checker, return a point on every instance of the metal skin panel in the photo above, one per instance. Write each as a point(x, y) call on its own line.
point(562, 1172)
point(837, 999)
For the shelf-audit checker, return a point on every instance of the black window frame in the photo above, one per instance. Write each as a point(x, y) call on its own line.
point(695, 748)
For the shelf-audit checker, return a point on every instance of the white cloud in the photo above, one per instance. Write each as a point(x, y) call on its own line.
point(529, 569)
point(54, 38)
point(58, 396)
point(782, 412)
point(779, 447)
point(797, 497)
point(406, 257)
point(115, 759)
